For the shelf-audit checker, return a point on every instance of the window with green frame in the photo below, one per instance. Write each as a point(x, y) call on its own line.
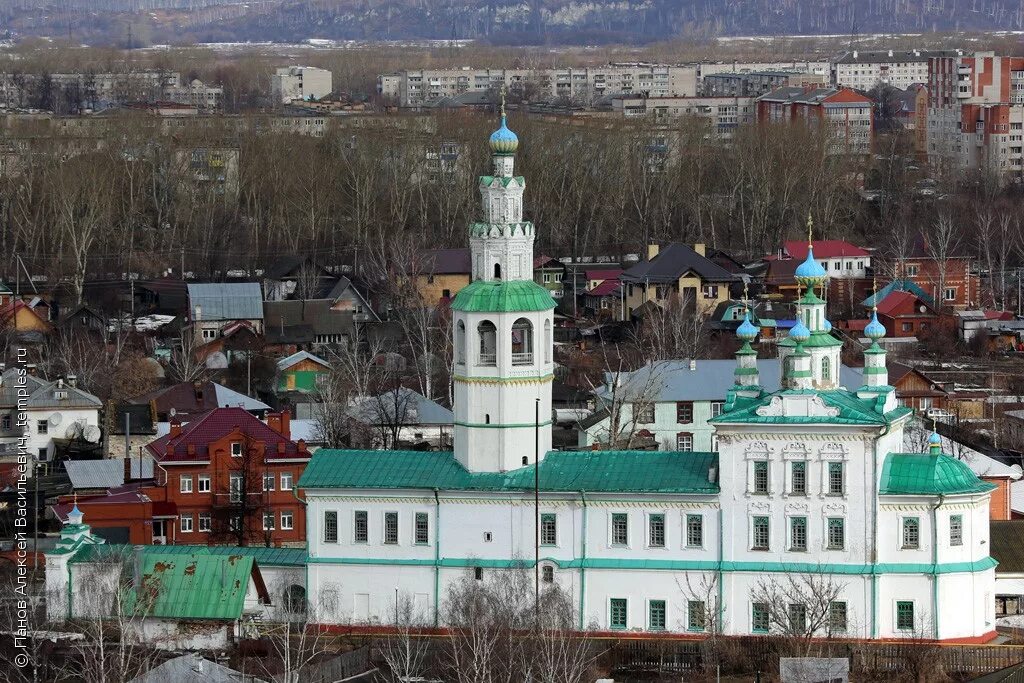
point(836, 533)
point(617, 613)
point(759, 618)
point(548, 529)
point(837, 616)
point(656, 615)
point(620, 529)
point(696, 618)
point(656, 531)
point(904, 615)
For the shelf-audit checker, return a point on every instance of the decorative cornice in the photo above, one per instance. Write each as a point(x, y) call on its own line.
point(536, 379)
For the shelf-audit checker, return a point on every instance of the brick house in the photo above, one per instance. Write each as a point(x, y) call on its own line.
point(961, 288)
point(231, 478)
point(905, 314)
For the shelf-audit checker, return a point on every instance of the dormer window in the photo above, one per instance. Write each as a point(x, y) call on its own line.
point(60, 394)
point(236, 449)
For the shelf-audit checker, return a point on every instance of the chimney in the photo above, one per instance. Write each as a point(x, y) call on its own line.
point(890, 53)
point(281, 423)
point(60, 382)
point(302, 445)
point(700, 248)
point(652, 251)
point(31, 369)
point(175, 429)
point(855, 54)
point(198, 315)
point(693, 364)
point(197, 387)
point(127, 468)
point(72, 381)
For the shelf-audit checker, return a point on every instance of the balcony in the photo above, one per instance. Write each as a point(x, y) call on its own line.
point(525, 358)
point(488, 359)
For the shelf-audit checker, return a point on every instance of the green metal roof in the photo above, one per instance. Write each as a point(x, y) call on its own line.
point(186, 585)
point(852, 409)
point(591, 471)
point(488, 180)
point(928, 475)
point(503, 296)
point(817, 339)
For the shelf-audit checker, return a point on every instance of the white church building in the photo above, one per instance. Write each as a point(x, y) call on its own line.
point(807, 481)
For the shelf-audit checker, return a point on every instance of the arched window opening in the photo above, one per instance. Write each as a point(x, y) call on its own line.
point(488, 343)
point(295, 599)
point(826, 369)
point(547, 341)
point(522, 342)
point(460, 343)
point(497, 271)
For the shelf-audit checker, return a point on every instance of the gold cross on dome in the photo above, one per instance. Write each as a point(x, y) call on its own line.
point(810, 228)
point(503, 100)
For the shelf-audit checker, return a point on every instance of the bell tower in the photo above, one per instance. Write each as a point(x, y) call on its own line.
point(502, 328)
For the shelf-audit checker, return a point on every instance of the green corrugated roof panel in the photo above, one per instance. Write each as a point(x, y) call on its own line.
point(503, 296)
point(852, 409)
point(924, 474)
point(591, 471)
point(197, 585)
point(817, 339)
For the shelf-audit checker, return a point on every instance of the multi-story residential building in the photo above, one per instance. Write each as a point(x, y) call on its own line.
point(840, 258)
point(668, 404)
point(865, 69)
point(847, 114)
point(817, 68)
point(301, 83)
point(976, 114)
point(676, 273)
point(203, 97)
point(811, 479)
point(580, 84)
point(724, 114)
point(757, 83)
point(50, 410)
point(231, 480)
point(950, 281)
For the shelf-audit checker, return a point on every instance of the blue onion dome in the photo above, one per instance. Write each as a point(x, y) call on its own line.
point(935, 439)
point(799, 333)
point(810, 272)
point(746, 331)
point(874, 330)
point(503, 140)
point(827, 326)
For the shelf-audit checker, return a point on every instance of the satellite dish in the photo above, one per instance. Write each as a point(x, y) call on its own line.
point(91, 433)
point(55, 419)
point(172, 412)
point(73, 431)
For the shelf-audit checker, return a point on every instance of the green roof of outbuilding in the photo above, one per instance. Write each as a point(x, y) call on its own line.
point(928, 475)
point(852, 409)
point(591, 471)
point(503, 296)
point(265, 557)
point(185, 585)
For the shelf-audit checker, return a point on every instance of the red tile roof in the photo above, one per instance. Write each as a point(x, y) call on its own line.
point(604, 289)
point(823, 249)
point(215, 425)
point(892, 303)
point(604, 274)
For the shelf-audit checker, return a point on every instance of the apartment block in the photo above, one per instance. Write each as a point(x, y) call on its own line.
point(976, 114)
point(846, 112)
point(865, 69)
point(756, 83)
point(725, 114)
point(301, 83)
point(584, 84)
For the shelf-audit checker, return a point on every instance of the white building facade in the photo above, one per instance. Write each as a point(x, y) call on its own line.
point(301, 83)
point(50, 410)
point(807, 483)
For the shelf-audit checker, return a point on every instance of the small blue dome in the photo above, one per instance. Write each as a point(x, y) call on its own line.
point(935, 439)
point(827, 325)
point(810, 272)
point(503, 140)
point(746, 331)
point(800, 333)
point(874, 329)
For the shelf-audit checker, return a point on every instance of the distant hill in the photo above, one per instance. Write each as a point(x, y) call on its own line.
point(523, 22)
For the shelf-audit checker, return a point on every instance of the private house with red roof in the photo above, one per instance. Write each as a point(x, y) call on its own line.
point(950, 280)
point(549, 273)
point(848, 267)
point(905, 314)
point(231, 479)
point(603, 296)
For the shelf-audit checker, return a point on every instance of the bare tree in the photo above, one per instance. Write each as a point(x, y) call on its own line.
point(799, 607)
point(703, 597)
point(676, 331)
point(405, 650)
point(184, 365)
point(941, 243)
point(25, 633)
point(238, 511)
point(297, 642)
point(629, 397)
